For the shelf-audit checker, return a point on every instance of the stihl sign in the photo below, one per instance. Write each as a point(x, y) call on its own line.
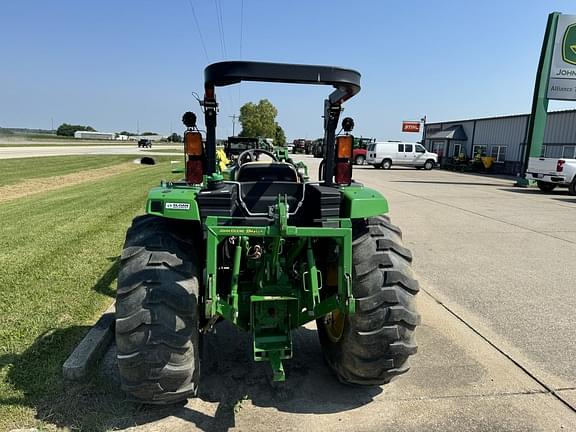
point(410, 126)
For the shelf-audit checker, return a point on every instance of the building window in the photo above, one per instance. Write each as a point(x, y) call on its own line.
point(499, 153)
point(457, 150)
point(479, 150)
point(569, 152)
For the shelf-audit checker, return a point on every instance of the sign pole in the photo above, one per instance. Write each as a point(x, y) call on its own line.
point(423, 120)
point(539, 113)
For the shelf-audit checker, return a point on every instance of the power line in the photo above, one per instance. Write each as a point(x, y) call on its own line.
point(222, 37)
point(221, 28)
point(241, 26)
point(241, 40)
point(199, 31)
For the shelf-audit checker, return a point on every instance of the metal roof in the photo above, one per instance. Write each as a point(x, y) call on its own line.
point(494, 117)
point(452, 133)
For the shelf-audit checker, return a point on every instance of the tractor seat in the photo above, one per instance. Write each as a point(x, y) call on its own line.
point(267, 172)
point(258, 196)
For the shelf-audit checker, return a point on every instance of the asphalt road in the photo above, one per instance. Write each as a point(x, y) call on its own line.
point(497, 346)
point(38, 151)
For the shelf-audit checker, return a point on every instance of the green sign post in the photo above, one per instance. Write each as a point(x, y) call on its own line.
point(537, 120)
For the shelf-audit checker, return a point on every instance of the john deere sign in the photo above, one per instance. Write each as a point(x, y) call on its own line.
point(562, 83)
point(555, 79)
point(569, 45)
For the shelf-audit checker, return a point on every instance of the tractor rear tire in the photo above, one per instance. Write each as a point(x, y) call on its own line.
point(372, 346)
point(157, 309)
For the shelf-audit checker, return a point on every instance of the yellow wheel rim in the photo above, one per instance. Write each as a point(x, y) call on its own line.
point(334, 325)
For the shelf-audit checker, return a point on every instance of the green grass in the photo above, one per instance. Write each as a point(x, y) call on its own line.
point(58, 255)
point(17, 170)
point(39, 140)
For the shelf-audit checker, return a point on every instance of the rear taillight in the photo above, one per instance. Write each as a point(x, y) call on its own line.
point(344, 146)
point(194, 171)
point(560, 165)
point(343, 173)
point(193, 151)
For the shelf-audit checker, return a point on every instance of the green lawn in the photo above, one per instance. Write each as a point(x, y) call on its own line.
point(58, 255)
point(16, 170)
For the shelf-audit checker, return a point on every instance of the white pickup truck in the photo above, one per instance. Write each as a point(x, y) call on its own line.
point(550, 173)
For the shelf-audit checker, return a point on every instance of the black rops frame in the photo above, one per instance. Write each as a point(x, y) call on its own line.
point(345, 81)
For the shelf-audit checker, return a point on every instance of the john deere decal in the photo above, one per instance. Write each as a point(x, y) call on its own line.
point(569, 45)
point(562, 77)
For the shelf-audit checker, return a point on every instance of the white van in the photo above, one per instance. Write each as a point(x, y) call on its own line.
point(388, 153)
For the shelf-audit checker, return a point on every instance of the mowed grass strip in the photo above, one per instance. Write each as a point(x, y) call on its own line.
point(39, 185)
point(58, 261)
point(17, 170)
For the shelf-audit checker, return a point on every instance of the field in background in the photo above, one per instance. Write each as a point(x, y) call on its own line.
point(30, 140)
point(59, 256)
point(18, 170)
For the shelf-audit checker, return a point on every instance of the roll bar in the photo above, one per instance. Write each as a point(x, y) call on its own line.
point(345, 81)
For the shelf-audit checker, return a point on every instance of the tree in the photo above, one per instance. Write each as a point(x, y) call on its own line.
point(126, 133)
point(258, 120)
point(148, 133)
point(66, 129)
point(279, 136)
point(175, 138)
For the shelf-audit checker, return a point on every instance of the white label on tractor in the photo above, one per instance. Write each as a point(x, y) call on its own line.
point(177, 206)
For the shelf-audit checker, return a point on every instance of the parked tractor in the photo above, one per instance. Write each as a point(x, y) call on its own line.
point(261, 245)
point(236, 145)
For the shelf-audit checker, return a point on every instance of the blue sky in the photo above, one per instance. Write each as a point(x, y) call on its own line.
point(116, 64)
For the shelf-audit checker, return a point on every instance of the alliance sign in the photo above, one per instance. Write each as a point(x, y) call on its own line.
point(562, 82)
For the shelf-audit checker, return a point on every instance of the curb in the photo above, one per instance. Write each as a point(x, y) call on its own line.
point(91, 347)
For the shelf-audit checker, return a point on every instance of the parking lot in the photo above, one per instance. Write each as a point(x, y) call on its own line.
point(496, 347)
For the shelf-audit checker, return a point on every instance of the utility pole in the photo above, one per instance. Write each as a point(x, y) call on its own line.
point(423, 120)
point(233, 117)
point(137, 127)
point(52, 124)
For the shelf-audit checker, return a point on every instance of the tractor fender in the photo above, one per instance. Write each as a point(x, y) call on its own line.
point(173, 203)
point(362, 202)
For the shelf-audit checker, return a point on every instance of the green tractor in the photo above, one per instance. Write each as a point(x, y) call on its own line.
point(262, 246)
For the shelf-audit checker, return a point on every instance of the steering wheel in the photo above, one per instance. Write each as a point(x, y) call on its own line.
point(251, 155)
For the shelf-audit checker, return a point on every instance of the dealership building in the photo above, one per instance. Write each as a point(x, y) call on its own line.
point(503, 138)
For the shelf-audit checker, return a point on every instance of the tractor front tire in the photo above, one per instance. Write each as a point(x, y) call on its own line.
point(157, 333)
point(373, 345)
